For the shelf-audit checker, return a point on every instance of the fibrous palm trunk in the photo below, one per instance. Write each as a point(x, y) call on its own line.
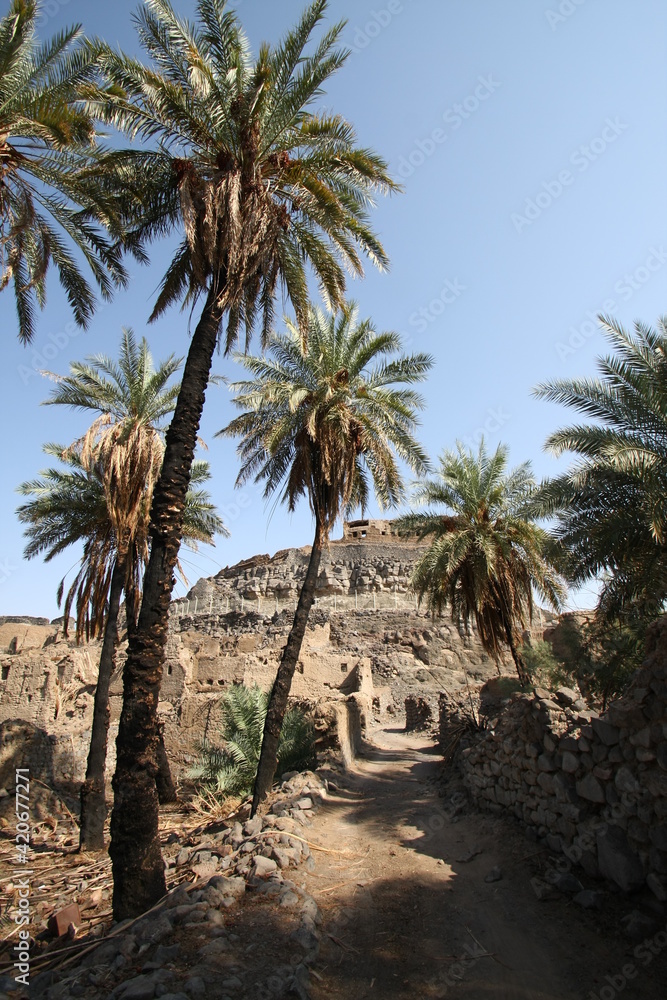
point(268, 759)
point(524, 676)
point(138, 868)
point(166, 789)
point(93, 800)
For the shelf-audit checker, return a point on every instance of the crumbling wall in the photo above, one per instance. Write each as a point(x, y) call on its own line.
point(418, 714)
point(593, 786)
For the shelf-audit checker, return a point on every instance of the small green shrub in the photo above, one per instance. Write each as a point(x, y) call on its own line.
point(598, 657)
point(544, 666)
point(230, 766)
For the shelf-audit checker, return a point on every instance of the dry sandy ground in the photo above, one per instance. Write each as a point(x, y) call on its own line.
point(408, 913)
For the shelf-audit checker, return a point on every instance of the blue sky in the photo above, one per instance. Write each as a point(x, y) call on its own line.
point(531, 139)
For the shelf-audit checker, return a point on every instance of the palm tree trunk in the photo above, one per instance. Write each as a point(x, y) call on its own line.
point(138, 868)
point(524, 676)
point(166, 789)
point(268, 758)
point(93, 800)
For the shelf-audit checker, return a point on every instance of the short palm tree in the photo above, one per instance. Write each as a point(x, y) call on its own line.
point(47, 201)
point(610, 508)
point(326, 417)
point(487, 554)
point(230, 764)
point(102, 498)
point(263, 190)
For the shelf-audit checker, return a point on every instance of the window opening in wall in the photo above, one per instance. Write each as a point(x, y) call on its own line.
point(5, 673)
point(343, 668)
point(169, 669)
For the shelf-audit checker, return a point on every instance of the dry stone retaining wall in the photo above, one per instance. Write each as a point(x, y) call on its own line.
point(593, 786)
point(418, 713)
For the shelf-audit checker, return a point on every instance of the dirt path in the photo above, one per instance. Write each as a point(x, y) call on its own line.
point(408, 915)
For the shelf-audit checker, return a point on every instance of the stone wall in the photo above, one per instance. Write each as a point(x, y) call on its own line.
point(418, 714)
point(593, 786)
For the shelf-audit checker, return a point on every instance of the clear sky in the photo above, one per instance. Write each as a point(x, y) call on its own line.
point(531, 138)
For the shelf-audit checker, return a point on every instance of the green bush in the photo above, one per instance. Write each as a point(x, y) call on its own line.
point(598, 657)
point(231, 766)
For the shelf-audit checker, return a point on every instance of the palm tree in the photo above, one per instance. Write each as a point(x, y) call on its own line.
point(263, 190)
point(230, 766)
point(324, 417)
point(610, 508)
point(47, 200)
point(103, 499)
point(487, 553)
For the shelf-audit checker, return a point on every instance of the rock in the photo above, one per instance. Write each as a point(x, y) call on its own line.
point(543, 890)
point(232, 983)
point(608, 734)
point(589, 899)
point(228, 886)
point(253, 826)
point(261, 867)
point(566, 696)
point(281, 857)
point(306, 803)
point(625, 781)
point(288, 899)
point(656, 887)
point(156, 930)
point(590, 788)
point(638, 925)
point(565, 882)
point(166, 953)
point(143, 987)
point(306, 937)
point(195, 987)
point(213, 948)
point(495, 875)
point(658, 836)
point(616, 859)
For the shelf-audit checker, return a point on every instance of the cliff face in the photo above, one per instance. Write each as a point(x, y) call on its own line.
point(381, 565)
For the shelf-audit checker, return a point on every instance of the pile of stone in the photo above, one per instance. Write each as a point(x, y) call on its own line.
point(189, 938)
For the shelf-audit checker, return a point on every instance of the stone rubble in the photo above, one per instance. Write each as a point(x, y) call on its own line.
point(255, 860)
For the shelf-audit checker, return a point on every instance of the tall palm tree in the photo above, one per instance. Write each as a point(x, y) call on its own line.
point(326, 417)
point(610, 508)
point(47, 199)
point(103, 499)
point(487, 553)
point(263, 190)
